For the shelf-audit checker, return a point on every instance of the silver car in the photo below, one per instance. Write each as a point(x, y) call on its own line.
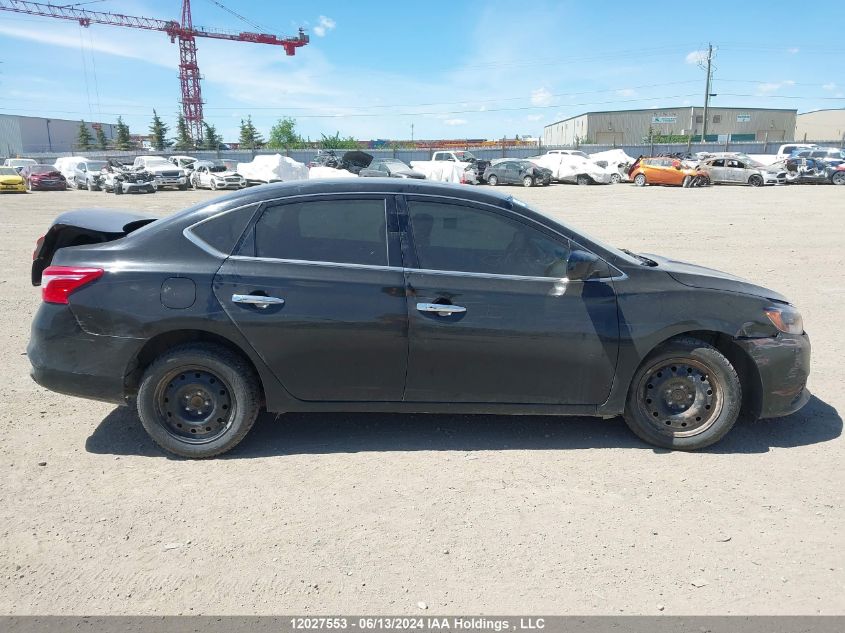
point(741, 170)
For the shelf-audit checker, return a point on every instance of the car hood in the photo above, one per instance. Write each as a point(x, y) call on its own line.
point(224, 174)
point(701, 277)
point(11, 180)
point(49, 174)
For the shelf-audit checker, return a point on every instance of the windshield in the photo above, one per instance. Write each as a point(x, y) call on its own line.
point(41, 169)
point(7, 171)
point(464, 156)
point(395, 164)
point(95, 165)
point(217, 168)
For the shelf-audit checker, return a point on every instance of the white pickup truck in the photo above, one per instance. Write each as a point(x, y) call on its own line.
point(166, 173)
point(452, 166)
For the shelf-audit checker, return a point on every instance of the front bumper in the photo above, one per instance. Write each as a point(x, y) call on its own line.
point(48, 185)
point(68, 360)
point(169, 181)
point(132, 187)
point(21, 188)
point(783, 364)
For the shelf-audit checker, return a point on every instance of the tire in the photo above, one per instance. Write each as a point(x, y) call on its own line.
point(639, 180)
point(118, 189)
point(219, 390)
point(528, 181)
point(91, 186)
point(29, 185)
point(615, 179)
point(213, 185)
point(695, 396)
point(756, 180)
point(183, 187)
point(492, 180)
point(583, 180)
point(838, 178)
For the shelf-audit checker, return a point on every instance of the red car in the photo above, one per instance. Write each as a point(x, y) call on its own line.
point(43, 177)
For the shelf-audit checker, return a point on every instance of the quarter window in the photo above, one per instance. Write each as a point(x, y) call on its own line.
point(343, 231)
point(457, 238)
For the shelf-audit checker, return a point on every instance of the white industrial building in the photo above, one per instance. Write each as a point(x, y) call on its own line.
point(630, 127)
point(821, 125)
point(21, 135)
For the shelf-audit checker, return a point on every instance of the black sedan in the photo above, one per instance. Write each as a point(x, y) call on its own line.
point(383, 294)
point(517, 172)
point(390, 168)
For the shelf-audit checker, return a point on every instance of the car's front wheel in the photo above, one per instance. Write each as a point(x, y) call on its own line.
point(492, 180)
point(838, 178)
point(198, 400)
point(615, 179)
point(528, 181)
point(583, 180)
point(686, 395)
point(756, 180)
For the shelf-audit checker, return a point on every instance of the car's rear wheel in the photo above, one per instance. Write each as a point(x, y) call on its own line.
point(583, 180)
point(838, 178)
point(639, 180)
point(528, 181)
point(198, 400)
point(686, 395)
point(615, 179)
point(492, 180)
point(213, 186)
point(756, 180)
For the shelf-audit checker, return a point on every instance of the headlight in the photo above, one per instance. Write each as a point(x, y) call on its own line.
point(786, 319)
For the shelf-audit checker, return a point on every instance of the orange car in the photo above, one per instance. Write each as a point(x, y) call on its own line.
point(666, 171)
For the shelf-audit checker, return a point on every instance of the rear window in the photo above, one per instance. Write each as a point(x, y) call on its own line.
point(342, 231)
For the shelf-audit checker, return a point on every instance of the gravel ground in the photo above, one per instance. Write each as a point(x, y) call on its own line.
point(468, 514)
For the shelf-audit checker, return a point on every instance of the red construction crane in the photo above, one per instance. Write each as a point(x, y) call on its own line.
point(189, 72)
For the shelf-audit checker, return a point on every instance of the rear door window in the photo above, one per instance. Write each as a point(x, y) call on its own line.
point(341, 231)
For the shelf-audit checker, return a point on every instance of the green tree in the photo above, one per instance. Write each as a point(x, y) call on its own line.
point(158, 130)
point(84, 137)
point(102, 141)
point(123, 141)
point(336, 142)
point(250, 137)
point(183, 140)
point(211, 139)
point(283, 135)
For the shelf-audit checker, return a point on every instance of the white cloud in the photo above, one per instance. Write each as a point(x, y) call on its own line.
point(829, 86)
point(455, 122)
point(770, 87)
point(793, 50)
point(324, 25)
point(541, 97)
point(534, 117)
point(696, 57)
point(626, 92)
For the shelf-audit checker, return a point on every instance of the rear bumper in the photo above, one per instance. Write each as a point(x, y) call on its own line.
point(68, 360)
point(783, 363)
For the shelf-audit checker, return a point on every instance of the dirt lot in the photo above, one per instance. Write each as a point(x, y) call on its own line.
point(377, 513)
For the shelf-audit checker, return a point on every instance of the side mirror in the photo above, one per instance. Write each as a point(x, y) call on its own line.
point(581, 265)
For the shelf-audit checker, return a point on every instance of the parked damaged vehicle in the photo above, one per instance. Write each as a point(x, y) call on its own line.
point(666, 170)
point(85, 174)
point(11, 181)
point(517, 172)
point(810, 171)
point(166, 173)
point(215, 175)
point(118, 178)
point(390, 168)
point(742, 170)
point(43, 178)
point(376, 295)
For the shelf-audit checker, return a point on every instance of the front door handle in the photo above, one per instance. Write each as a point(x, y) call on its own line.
point(440, 308)
point(259, 301)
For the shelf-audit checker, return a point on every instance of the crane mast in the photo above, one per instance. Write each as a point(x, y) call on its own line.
point(183, 31)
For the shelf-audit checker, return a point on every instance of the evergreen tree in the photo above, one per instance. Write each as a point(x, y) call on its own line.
point(250, 137)
point(211, 140)
point(183, 139)
point(84, 137)
point(123, 140)
point(283, 135)
point(158, 130)
point(102, 141)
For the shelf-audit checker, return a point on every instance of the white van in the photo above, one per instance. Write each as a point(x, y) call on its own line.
point(19, 163)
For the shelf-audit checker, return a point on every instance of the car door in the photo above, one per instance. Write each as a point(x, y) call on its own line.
point(508, 173)
point(491, 320)
point(317, 288)
point(736, 171)
point(654, 171)
point(718, 171)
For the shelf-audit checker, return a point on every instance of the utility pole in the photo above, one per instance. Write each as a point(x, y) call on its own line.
point(412, 134)
point(707, 90)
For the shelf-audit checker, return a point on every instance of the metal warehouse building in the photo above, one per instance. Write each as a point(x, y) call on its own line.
point(20, 135)
point(821, 125)
point(630, 127)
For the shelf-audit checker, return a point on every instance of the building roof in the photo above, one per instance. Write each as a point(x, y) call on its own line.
point(683, 107)
point(822, 110)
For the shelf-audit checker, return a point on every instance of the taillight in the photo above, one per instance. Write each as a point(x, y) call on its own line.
point(59, 282)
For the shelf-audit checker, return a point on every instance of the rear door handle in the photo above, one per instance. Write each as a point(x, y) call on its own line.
point(440, 308)
point(259, 301)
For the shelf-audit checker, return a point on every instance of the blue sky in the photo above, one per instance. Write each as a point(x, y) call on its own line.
point(452, 69)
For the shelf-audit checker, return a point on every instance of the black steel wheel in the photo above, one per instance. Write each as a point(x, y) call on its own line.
point(198, 400)
point(686, 395)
